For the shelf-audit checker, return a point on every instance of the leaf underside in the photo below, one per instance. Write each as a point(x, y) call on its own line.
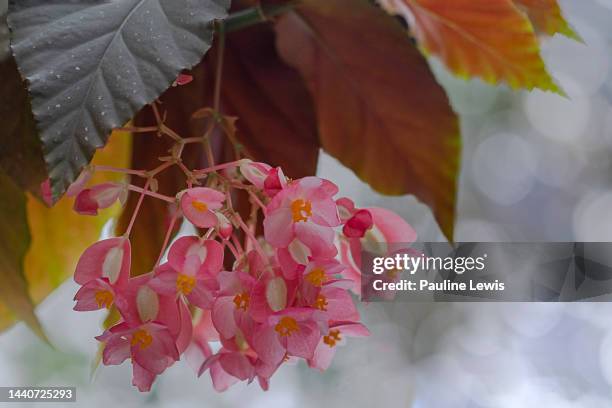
point(379, 108)
point(92, 64)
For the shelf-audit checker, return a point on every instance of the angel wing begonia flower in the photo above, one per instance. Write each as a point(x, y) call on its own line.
point(190, 271)
point(336, 336)
point(389, 232)
point(90, 200)
point(293, 332)
point(199, 205)
point(103, 268)
point(232, 305)
point(304, 210)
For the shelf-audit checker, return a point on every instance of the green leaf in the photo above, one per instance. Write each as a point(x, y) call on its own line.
point(91, 65)
point(13, 247)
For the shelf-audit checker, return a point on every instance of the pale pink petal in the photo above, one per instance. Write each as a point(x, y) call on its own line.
point(392, 226)
point(214, 257)
point(322, 357)
point(319, 239)
point(325, 213)
point(109, 258)
point(164, 280)
point(223, 316)
point(116, 351)
point(202, 296)
point(221, 380)
point(267, 345)
point(179, 249)
point(340, 305)
point(278, 227)
point(237, 365)
point(142, 378)
point(303, 343)
point(86, 296)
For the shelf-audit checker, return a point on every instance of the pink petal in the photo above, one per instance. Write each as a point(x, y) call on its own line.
point(164, 280)
point(84, 203)
point(319, 239)
point(303, 343)
point(278, 227)
point(237, 365)
point(340, 304)
point(220, 378)
point(322, 357)
point(142, 378)
point(86, 296)
point(116, 351)
point(98, 261)
point(358, 224)
point(202, 295)
point(223, 316)
point(268, 346)
point(392, 226)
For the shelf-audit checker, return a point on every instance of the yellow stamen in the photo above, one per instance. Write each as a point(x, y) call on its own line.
point(199, 206)
point(241, 301)
point(301, 210)
point(321, 302)
point(185, 284)
point(316, 277)
point(287, 326)
point(332, 338)
point(141, 338)
point(104, 298)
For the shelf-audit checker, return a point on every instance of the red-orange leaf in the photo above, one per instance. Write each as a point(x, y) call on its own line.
point(547, 17)
point(490, 39)
point(380, 110)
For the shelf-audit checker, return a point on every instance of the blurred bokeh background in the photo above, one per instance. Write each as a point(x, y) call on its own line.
point(535, 167)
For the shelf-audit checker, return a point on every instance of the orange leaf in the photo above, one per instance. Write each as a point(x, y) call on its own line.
point(380, 110)
point(490, 39)
point(547, 17)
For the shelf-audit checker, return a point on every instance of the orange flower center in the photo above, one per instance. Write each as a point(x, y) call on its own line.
point(199, 206)
point(316, 277)
point(332, 338)
point(104, 298)
point(241, 301)
point(301, 210)
point(185, 283)
point(321, 302)
point(141, 338)
point(287, 326)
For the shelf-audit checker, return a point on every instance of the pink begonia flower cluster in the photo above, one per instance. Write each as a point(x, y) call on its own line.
point(281, 297)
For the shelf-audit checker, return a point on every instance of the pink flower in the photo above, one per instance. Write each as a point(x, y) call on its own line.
point(199, 205)
point(304, 210)
point(90, 200)
point(389, 233)
point(336, 336)
point(224, 226)
point(103, 268)
point(263, 176)
point(190, 271)
point(293, 332)
point(232, 306)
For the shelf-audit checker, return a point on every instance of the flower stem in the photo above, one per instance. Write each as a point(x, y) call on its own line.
point(150, 193)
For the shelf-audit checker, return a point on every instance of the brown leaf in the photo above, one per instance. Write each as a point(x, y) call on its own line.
point(380, 110)
point(178, 103)
point(276, 118)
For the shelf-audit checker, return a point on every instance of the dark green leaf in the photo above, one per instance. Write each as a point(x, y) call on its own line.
point(93, 64)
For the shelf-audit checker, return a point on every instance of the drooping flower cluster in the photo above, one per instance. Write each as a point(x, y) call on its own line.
point(234, 303)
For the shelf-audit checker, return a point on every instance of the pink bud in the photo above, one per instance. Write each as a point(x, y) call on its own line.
point(274, 182)
point(45, 191)
point(358, 224)
point(90, 200)
point(224, 226)
point(183, 79)
point(255, 172)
